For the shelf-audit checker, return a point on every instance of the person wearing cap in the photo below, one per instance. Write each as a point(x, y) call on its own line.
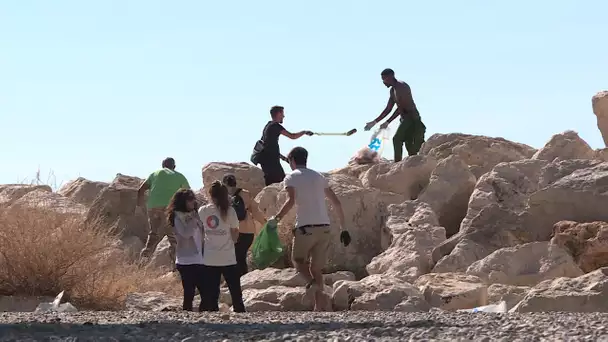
point(249, 212)
point(411, 130)
point(307, 189)
point(163, 184)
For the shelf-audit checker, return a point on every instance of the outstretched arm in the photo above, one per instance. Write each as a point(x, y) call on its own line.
point(389, 106)
point(295, 135)
point(140, 193)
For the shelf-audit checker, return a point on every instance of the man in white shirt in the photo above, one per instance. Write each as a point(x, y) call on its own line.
point(307, 189)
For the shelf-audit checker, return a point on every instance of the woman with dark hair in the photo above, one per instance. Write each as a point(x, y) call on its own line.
point(188, 228)
point(221, 229)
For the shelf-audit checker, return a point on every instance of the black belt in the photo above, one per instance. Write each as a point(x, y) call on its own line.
point(303, 228)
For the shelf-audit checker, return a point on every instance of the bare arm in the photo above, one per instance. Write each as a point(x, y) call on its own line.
point(140, 193)
point(291, 199)
point(393, 117)
point(331, 195)
point(253, 208)
point(293, 136)
point(389, 106)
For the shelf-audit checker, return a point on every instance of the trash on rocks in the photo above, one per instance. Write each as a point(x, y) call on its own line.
point(55, 306)
point(501, 307)
point(365, 156)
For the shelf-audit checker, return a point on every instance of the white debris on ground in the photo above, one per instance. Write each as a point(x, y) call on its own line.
point(365, 156)
point(56, 306)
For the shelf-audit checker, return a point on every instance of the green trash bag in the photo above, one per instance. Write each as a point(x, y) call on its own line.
point(267, 247)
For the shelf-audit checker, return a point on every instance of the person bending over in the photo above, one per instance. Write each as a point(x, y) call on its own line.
point(188, 229)
point(221, 228)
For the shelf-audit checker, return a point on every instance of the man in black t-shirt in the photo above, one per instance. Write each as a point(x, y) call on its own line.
point(270, 156)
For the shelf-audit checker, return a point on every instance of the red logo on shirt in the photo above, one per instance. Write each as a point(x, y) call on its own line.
point(213, 221)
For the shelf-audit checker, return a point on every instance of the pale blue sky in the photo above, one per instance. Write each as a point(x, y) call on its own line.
point(92, 88)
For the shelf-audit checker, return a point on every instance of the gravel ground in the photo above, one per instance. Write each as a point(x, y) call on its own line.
point(301, 326)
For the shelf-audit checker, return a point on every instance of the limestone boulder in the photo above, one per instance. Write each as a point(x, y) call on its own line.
point(42, 199)
point(450, 186)
point(480, 153)
point(248, 176)
point(586, 293)
point(519, 202)
point(116, 205)
point(508, 293)
point(352, 170)
point(407, 177)
point(261, 279)
point(586, 242)
point(453, 291)
point(413, 232)
point(82, 190)
point(283, 298)
point(9, 193)
point(378, 293)
point(364, 210)
point(161, 258)
point(525, 265)
point(599, 103)
point(566, 145)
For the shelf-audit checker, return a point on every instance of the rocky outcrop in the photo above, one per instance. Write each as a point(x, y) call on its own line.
point(9, 193)
point(247, 176)
point(599, 103)
point(526, 264)
point(453, 291)
point(508, 293)
point(407, 177)
point(479, 152)
point(42, 199)
point(116, 208)
point(412, 231)
point(567, 145)
point(586, 293)
point(364, 211)
point(82, 190)
point(450, 186)
point(586, 242)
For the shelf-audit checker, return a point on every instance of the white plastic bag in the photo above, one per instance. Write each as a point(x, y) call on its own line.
point(501, 307)
point(378, 140)
point(372, 152)
point(55, 306)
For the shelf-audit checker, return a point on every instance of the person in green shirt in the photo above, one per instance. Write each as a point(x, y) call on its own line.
point(163, 184)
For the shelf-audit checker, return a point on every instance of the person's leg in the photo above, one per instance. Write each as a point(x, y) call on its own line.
point(240, 248)
point(168, 230)
point(212, 275)
point(199, 281)
point(399, 139)
point(300, 252)
point(273, 171)
point(155, 218)
point(318, 258)
point(415, 138)
point(188, 275)
point(233, 280)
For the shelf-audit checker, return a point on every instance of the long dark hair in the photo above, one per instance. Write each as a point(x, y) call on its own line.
point(219, 197)
point(178, 203)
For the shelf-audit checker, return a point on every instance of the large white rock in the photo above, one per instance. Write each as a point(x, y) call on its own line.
point(599, 102)
point(526, 264)
point(407, 177)
point(480, 152)
point(566, 145)
point(586, 242)
point(248, 176)
point(82, 190)
point(412, 231)
point(448, 192)
point(42, 199)
point(453, 291)
point(586, 293)
point(378, 292)
point(9, 193)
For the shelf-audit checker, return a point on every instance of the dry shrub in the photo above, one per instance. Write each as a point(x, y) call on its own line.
point(44, 252)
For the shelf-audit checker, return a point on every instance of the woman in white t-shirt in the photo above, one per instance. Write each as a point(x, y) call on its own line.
point(221, 229)
point(188, 228)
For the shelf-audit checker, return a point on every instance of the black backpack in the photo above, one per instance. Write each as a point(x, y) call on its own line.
point(239, 205)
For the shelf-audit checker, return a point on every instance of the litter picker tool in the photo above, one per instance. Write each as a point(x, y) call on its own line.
point(347, 134)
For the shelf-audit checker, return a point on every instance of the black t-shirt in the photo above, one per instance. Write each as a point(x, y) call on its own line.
point(270, 136)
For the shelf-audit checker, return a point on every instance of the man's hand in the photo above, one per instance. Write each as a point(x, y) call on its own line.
point(384, 125)
point(309, 133)
point(272, 223)
point(369, 125)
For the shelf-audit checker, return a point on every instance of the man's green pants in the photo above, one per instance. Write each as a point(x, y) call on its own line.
point(411, 133)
